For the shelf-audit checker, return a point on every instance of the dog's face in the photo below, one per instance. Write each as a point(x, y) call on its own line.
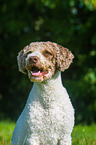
point(42, 59)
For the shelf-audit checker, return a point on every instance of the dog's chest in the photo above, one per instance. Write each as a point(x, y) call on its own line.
point(47, 113)
point(45, 121)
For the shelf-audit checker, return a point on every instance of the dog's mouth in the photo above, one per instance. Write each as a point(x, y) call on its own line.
point(36, 72)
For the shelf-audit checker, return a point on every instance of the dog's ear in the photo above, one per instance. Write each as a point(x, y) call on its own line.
point(64, 57)
point(21, 61)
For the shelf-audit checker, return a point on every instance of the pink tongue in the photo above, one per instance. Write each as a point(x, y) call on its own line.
point(36, 73)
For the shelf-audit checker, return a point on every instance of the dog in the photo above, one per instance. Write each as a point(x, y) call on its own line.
point(48, 116)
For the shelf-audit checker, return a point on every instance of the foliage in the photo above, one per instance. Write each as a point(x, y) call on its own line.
point(69, 23)
point(90, 4)
point(82, 135)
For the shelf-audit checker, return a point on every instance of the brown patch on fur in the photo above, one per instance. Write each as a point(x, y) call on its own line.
point(21, 61)
point(64, 57)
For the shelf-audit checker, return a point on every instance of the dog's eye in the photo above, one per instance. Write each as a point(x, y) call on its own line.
point(28, 52)
point(47, 53)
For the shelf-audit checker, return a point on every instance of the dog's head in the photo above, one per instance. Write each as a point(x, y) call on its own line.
point(42, 59)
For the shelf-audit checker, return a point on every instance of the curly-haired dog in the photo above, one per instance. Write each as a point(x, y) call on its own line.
point(48, 116)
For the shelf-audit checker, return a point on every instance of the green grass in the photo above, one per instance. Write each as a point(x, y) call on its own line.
point(6, 129)
point(82, 135)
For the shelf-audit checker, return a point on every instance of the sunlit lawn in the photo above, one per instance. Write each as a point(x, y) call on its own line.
point(6, 129)
point(82, 135)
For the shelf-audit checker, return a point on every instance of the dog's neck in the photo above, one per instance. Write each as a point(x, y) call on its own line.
point(49, 84)
point(45, 92)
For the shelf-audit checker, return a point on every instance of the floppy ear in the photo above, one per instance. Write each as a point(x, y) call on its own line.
point(21, 61)
point(64, 58)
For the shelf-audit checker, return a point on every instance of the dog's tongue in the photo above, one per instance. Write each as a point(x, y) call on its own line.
point(36, 73)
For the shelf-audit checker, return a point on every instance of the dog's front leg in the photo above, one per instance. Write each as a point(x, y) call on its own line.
point(66, 140)
point(33, 139)
point(19, 134)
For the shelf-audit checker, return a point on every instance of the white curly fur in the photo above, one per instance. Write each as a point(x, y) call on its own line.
point(48, 116)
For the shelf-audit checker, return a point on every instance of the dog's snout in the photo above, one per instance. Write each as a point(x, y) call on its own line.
point(33, 59)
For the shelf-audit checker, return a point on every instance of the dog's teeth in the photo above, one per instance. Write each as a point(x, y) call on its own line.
point(36, 73)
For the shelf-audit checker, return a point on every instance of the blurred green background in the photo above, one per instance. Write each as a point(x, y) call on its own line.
point(71, 23)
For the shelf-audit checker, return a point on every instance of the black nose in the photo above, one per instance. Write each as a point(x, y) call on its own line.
point(33, 59)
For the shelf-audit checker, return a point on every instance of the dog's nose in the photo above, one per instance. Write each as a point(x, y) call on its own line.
point(33, 59)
